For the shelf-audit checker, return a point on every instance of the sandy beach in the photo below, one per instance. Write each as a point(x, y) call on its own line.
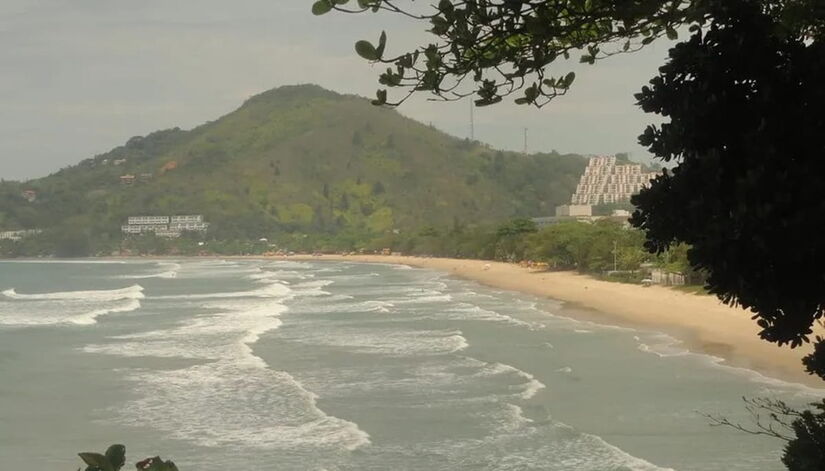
point(704, 324)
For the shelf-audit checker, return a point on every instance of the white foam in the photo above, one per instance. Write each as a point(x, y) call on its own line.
point(512, 419)
point(291, 264)
point(132, 292)
point(91, 317)
point(426, 299)
point(224, 404)
point(527, 390)
point(272, 290)
point(466, 311)
point(665, 346)
point(68, 262)
point(279, 275)
point(387, 342)
point(50, 312)
point(332, 305)
point(313, 284)
point(164, 274)
point(234, 400)
point(169, 270)
point(226, 334)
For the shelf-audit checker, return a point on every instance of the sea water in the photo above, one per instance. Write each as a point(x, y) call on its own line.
point(284, 365)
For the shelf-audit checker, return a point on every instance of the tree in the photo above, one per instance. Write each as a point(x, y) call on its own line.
point(742, 95)
point(506, 46)
point(746, 135)
point(115, 458)
point(802, 431)
point(511, 237)
point(503, 46)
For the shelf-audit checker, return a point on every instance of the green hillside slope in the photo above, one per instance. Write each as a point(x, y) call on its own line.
point(297, 158)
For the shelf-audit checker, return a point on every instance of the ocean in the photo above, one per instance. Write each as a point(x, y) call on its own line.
point(294, 365)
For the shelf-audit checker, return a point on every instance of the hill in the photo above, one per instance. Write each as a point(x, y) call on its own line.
point(296, 159)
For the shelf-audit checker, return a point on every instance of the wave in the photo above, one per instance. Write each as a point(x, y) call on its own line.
point(227, 334)
point(386, 342)
point(278, 275)
point(466, 311)
point(313, 284)
point(45, 312)
point(235, 399)
point(273, 290)
point(164, 275)
point(664, 346)
point(332, 305)
point(532, 446)
point(290, 264)
point(132, 292)
point(527, 389)
point(425, 299)
point(69, 262)
point(91, 317)
point(228, 404)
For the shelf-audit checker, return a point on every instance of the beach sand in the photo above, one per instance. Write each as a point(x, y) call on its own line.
point(702, 322)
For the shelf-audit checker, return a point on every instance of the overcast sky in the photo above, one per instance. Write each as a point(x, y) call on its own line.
point(79, 77)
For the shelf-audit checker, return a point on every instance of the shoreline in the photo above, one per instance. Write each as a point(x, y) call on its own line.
point(701, 322)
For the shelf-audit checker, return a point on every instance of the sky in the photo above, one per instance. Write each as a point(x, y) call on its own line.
point(79, 77)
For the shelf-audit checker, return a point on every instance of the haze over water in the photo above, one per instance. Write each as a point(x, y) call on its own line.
point(282, 365)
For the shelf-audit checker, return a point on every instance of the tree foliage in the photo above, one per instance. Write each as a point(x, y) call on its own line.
point(742, 94)
point(495, 48)
point(744, 99)
point(503, 46)
point(115, 458)
point(802, 431)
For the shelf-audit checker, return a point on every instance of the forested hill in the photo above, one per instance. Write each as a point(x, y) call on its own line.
point(297, 158)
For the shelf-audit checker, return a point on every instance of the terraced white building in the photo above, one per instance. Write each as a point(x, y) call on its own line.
point(605, 181)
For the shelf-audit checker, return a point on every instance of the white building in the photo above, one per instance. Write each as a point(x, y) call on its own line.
point(186, 219)
point(18, 235)
point(164, 226)
point(143, 228)
point(574, 210)
point(188, 226)
point(139, 220)
point(604, 181)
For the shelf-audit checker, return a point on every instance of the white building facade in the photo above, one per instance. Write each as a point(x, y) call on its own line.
point(18, 235)
point(164, 226)
point(604, 181)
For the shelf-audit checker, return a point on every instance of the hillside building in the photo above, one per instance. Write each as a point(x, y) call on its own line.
point(604, 182)
point(567, 212)
point(18, 235)
point(574, 210)
point(147, 220)
point(164, 226)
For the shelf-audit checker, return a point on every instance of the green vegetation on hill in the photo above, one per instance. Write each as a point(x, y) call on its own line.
point(297, 159)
